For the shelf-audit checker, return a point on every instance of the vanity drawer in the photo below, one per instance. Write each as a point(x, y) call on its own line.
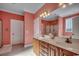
point(44, 48)
point(43, 52)
point(44, 44)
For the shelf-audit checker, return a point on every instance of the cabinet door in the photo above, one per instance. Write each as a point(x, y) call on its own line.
point(67, 53)
point(36, 46)
point(54, 51)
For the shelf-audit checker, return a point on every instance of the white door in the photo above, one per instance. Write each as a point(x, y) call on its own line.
point(0, 33)
point(16, 31)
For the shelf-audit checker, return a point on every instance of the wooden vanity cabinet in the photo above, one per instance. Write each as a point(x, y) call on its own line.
point(44, 49)
point(67, 53)
point(48, 49)
point(54, 51)
point(36, 47)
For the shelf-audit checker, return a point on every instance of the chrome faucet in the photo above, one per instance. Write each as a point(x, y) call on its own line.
point(69, 40)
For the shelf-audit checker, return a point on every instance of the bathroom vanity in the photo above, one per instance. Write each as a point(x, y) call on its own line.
point(55, 47)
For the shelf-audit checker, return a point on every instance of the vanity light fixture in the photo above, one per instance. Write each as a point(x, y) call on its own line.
point(64, 5)
point(44, 14)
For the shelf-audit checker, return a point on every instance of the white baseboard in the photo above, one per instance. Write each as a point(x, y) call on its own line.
point(28, 45)
point(17, 44)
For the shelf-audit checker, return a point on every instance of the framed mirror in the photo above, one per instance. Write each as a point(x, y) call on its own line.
point(72, 26)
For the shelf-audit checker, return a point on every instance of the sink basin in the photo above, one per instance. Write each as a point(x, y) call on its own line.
point(71, 48)
point(41, 37)
point(60, 43)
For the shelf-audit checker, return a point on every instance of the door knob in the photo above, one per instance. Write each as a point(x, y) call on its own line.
point(12, 33)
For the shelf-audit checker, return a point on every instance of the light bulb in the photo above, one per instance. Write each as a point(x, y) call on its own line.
point(41, 15)
point(48, 14)
point(70, 3)
point(64, 6)
point(44, 16)
point(60, 4)
point(45, 13)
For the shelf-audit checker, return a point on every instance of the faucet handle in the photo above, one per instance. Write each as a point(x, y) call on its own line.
point(73, 34)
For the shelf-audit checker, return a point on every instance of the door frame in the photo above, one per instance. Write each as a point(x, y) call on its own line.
point(23, 31)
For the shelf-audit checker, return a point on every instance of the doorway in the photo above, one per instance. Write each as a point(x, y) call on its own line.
point(17, 32)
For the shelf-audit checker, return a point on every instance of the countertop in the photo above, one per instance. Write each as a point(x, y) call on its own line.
point(60, 42)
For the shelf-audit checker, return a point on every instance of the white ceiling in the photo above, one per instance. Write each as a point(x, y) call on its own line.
point(62, 12)
point(51, 17)
point(19, 8)
point(69, 10)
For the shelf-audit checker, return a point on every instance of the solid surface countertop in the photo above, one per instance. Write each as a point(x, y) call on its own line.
point(60, 42)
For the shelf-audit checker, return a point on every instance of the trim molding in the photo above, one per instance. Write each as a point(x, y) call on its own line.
point(18, 44)
point(11, 12)
point(27, 45)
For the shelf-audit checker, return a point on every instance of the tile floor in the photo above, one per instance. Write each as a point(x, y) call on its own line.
point(19, 50)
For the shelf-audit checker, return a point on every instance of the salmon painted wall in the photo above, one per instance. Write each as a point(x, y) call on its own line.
point(61, 26)
point(29, 27)
point(6, 17)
